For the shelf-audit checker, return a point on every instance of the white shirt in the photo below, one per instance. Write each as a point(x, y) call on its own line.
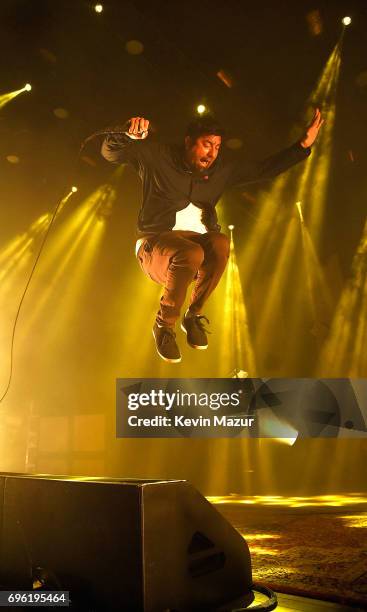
point(188, 219)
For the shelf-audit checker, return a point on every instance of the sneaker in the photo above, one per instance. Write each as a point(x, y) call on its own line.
point(165, 341)
point(193, 326)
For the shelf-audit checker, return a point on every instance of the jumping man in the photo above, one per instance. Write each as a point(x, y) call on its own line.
point(179, 239)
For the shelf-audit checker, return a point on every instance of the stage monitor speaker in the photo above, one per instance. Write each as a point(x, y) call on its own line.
point(131, 545)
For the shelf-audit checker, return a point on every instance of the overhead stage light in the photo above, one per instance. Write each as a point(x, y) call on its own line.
point(346, 21)
point(231, 227)
point(201, 109)
point(74, 189)
point(98, 8)
point(7, 97)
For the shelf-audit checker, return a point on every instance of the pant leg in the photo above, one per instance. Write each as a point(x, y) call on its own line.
point(216, 253)
point(171, 259)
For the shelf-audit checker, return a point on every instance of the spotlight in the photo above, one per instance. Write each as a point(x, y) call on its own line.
point(74, 189)
point(346, 21)
point(231, 227)
point(27, 87)
point(201, 109)
point(288, 441)
point(98, 8)
point(240, 374)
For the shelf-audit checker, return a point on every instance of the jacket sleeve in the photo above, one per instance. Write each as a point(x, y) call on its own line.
point(245, 171)
point(120, 149)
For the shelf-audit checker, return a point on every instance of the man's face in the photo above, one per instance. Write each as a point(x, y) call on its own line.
point(202, 153)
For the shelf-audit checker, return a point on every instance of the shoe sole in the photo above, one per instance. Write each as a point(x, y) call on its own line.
point(162, 356)
point(195, 346)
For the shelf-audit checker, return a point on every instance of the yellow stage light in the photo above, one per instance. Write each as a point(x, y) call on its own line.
point(15, 256)
point(5, 98)
point(201, 109)
point(241, 374)
point(237, 350)
point(27, 87)
point(276, 428)
point(346, 21)
point(98, 8)
point(74, 189)
point(343, 352)
point(299, 208)
point(74, 246)
point(283, 251)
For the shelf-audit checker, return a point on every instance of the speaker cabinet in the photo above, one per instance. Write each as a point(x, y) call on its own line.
point(121, 544)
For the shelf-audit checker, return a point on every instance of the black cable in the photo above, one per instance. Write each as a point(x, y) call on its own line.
point(23, 296)
point(271, 604)
point(107, 131)
point(119, 130)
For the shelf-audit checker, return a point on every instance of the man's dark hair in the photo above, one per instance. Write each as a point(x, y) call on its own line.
point(204, 125)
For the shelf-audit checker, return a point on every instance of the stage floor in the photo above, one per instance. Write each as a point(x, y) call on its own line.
point(305, 547)
point(303, 604)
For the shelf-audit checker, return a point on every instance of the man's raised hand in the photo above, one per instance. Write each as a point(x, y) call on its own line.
point(138, 128)
point(312, 130)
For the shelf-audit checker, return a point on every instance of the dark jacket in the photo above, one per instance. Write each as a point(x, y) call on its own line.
point(169, 185)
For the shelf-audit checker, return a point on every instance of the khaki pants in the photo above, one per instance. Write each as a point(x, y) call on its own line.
point(174, 259)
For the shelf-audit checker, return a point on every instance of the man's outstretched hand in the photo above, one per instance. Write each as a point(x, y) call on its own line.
point(138, 128)
point(312, 130)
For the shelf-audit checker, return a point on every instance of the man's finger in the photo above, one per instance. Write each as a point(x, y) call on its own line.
point(144, 124)
point(136, 125)
point(132, 123)
point(141, 125)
